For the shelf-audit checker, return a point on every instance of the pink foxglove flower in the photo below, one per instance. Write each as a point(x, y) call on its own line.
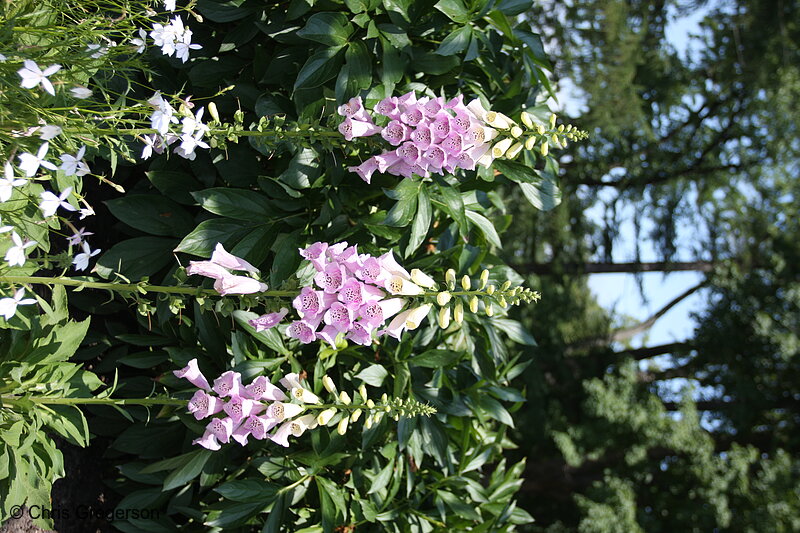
point(191, 372)
point(269, 320)
point(230, 261)
point(203, 405)
point(228, 384)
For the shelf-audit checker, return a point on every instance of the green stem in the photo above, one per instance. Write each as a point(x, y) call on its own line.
point(130, 287)
point(93, 401)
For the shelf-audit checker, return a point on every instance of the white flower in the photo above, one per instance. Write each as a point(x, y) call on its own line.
point(184, 44)
point(100, 50)
point(48, 132)
point(81, 260)
point(86, 212)
point(8, 183)
point(80, 92)
point(192, 124)
point(30, 163)
point(188, 145)
point(8, 306)
point(169, 5)
point(74, 166)
point(4, 229)
point(140, 42)
point(163, 115)
point(16, 254)
point(50, 202)
point(77, 237)
point(32, 76)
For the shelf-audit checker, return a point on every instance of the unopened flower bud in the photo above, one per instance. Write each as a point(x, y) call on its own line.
point(327, 382)
point(212, 110)
point(473, 304)
point(341, 429)
point(444, 317)
point(530, 142)
point(545, 148)
point(443, 298)
point(561, 128)
point(325, 416)
point(421, 278)
point(368, 422)
point(416, 316)
point(553, 121)
point(514, 151)
point(506, 284)
point(516, 131)
point(498, 120)
point(484, 279)
point(554, 140)
point(489, 309)
point(344, 398)
point(540, 129)
point(527, 119)
point(500, 148)
point(384, 398)
point(458, 312)
point(465, 283)
point(450, 278)
point(490, 289)
point(378, 416)
point(502, 302)
point(370, 404)
point(362, 390)
point(355, 416)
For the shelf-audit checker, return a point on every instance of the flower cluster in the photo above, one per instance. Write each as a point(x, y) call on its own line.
point(353, 295)
point(189, 134)
point(219, 268)
point(434, 135)
point(431, 135)
point(174, 38)
point(248, 410)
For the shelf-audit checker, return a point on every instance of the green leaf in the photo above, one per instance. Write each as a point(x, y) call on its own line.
point(432, 63)
point(319, 68)
point(142, 359)
point(202, 240)
point(494, 409)
point(456, 42)
point(175, 185)
point(455, 10)
point(454, 205)
point(136, 258)
point(223, 11)
point(513, 8)
point(335, 493)
point(152, 214)
point(402, 212)
point(246, 490)
point(436, 359)
point(458, 506)
point(332, 29)
point(356, 74)
point(373, 375)
point(286, 257)
point(188, 471)
point(238, 204)
point(303, 169)
point(540, 188)
point(486, 227)
point(515, 331)
point(382, 479)
point(419, 228)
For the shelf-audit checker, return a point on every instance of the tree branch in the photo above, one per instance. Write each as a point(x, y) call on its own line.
point(608, 268)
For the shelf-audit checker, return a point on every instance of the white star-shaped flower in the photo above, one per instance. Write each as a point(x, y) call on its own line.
point(80, 92)
point(185, 44)
point(4, 229)
point(50, 202)
point(30, 163)
point(169, 5)
point(49, 131)
point(81, 260)
point(77, 237)
point(86, 212)
point(73, 165)
point(8, 306)
point(32, 76)
point(16, 254)
point(140, 42)
point(8, 182)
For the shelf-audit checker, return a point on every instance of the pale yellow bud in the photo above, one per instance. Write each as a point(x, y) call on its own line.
point(368, 422)
point(553, 121)
point(473, 304)
point(498, 120)
point(516, 131)
point(514, 151)
point(384, 398)
point(341, 429)
point(527, 119)
point(416, 316)
point(506, 284)
point(327, 382)
point(325, 416)
point(444, 317)
point(561, 128)
point(465, 283)
point(489, 309)
point(443, 298)
point(490, 289)
point(545, 148)
point(355, 416)
point(450, 278)
point(554, 139)
point(540, 129)
point(502, 302)
point(530, 142)
point(345, 398)
point(484, 279)
point(370, 404)
point(500, 148)
point(362, 390)
point(458, 312)
point(212, 110)
point(421, 278)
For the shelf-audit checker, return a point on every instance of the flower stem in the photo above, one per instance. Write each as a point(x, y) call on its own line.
point(130, 287)
point(93, 401)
